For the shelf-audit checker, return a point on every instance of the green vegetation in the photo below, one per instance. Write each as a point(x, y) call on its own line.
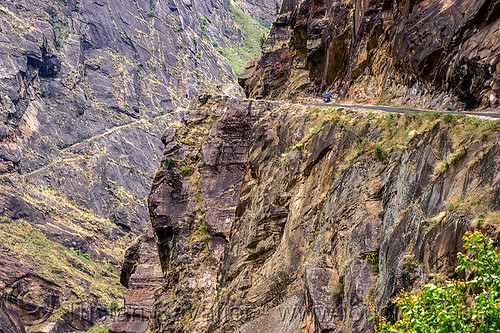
point(56, 262)
point(297, 147)
point(372, 257)
point(379, 153)
point(169, 163)
point(262, 40)
point(186, 170)
point(239, 55)
point(114, 306)
point(82, 254)
point(100, 330)
point(455, 306)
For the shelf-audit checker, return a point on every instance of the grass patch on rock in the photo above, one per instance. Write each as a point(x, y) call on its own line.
point(253, 31)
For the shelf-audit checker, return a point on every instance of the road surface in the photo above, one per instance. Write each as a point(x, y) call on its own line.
point(403, 110)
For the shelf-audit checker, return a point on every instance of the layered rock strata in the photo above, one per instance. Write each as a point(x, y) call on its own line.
point(305, 213)
point(432, 54)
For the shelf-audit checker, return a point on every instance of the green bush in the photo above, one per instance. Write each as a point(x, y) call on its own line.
point(168, 162)
point(461, 306)
point(297, 147)
point(82, 254)
point(114, 306)
point(185, 170)
point(379, 153)
point(262, 40)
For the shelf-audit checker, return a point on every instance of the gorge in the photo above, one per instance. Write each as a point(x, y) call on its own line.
point(124, 127)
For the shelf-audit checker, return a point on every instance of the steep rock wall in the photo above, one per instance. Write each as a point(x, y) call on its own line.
point(192, 206)
point(433, 54)
point(335, 206)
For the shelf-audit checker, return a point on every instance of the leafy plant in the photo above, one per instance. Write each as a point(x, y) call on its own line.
point(297, 147)
point(372, 257)
point(460, 306)
point(262, 40)
point(82, 254)
point(132, 168)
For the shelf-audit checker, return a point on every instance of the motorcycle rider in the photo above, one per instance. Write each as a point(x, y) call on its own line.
point(327, 97)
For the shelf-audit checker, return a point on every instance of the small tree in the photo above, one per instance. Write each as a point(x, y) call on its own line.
point(454, 305)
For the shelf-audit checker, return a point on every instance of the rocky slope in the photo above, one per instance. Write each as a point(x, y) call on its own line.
point(276, 217)
point(432, 54)
point(263, 10)
point(86, 89)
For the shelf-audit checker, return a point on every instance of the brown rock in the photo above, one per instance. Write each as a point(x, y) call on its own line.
point(433, 54)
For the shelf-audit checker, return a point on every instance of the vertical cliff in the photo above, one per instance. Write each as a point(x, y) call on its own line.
point(192, 205)
point(432, 54)
point(303, 213)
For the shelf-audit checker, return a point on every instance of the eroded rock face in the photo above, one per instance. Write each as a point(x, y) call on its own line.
point(321, 219)
point(142, 275)
point(433, 54)
point(192, 205)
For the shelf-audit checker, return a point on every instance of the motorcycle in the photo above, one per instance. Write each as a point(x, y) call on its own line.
point(327, 99)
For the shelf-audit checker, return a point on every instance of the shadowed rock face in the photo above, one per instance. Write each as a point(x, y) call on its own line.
point(142, 275)
point(301, 218)
point(434, 54)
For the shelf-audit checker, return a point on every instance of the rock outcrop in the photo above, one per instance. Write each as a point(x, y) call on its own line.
point(193, 203)
point(432, 54)
point(142, 275)
point(306, 213)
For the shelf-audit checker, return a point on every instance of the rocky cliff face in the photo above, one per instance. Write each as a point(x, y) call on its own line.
point(304, 213)
point(263, 10)
point(86, 89)
point(192, 203)
point(432, 54)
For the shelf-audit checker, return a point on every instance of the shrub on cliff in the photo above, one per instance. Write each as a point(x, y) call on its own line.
point(458, 306)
